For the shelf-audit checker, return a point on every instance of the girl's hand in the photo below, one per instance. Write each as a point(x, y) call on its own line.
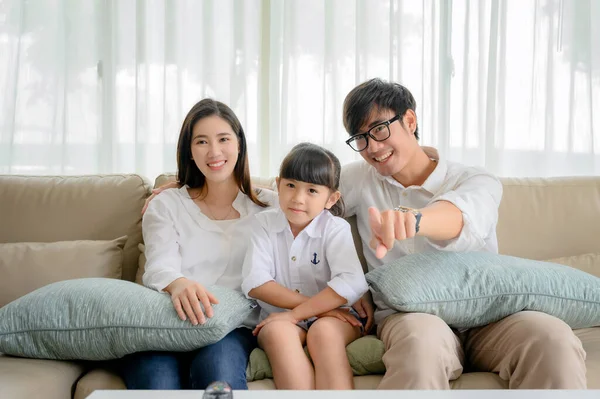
point(279, 316)
point(344, 315)
point(364, 307)
point(187, 295)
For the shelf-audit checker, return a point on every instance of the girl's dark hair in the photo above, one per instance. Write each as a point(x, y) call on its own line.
point(372, 95)
point(313, 164)
point(187, 171)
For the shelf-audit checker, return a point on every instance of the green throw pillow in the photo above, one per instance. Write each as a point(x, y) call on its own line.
point(101, 319)
point(477, 288)
point(365, 356)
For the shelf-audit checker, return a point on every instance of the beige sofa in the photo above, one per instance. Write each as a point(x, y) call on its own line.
point(539, 219)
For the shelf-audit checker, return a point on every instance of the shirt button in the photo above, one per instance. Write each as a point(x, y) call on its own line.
point(404, 194)
point(293, 258)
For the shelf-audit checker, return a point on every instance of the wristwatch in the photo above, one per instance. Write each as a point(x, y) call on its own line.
point(416, 212)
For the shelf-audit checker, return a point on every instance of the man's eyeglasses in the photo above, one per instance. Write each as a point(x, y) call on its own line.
point(379, 132)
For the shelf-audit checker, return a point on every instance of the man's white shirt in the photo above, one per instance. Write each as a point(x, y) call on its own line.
point(473, 190)
point(321, 255)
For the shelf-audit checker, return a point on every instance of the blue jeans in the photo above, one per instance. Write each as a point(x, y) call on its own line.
point(225, 360)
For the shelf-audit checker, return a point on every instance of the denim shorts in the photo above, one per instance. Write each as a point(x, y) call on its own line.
point(305, 324)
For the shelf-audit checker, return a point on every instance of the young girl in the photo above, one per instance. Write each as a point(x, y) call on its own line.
point(195, 237)
point(302, 267)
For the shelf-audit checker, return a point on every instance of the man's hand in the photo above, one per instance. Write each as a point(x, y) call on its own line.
point(388, 226)
point(187, 295)
point(364, 307)
point(157, 191)
point(279, 316)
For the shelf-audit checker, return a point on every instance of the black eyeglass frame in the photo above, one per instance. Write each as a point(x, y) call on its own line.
point(368, 133)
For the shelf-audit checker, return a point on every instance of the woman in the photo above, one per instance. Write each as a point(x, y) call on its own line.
point(194, 237)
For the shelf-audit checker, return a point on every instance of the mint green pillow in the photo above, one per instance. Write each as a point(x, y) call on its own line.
point(365, 356)
point(101, 319)
point(477, 288)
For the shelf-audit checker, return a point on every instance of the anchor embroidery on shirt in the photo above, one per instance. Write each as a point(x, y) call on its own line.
point(314, 260)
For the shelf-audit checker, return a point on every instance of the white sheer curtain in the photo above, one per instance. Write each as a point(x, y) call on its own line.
point(102, 86)
point(512, 85)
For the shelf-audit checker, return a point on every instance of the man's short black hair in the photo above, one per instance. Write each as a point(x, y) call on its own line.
point(373, 95)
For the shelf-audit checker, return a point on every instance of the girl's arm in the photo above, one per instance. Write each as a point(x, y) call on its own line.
point(347, 282)
point(259, 272)
point(347, 275)
point(277, 295)
point(323, 302)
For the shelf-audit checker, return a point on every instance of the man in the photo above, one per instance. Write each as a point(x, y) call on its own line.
point(440, 205)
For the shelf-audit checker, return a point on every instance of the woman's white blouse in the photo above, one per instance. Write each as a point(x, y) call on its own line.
point(322, 255)
point(183, 242)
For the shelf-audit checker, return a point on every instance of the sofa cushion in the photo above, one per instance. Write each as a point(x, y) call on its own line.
point(26, 266)
point(474, 289)
point(479, 380)
point(101, 319)
point(35, 378)
point(590, 339)
point(66, 208)
point(97, 379)
point(365, 356)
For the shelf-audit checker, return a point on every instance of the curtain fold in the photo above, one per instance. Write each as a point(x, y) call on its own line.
point(102, 86)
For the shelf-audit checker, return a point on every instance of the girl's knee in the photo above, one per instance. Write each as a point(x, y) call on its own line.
point(276, 327)
point(277, 332)
point(326, 331)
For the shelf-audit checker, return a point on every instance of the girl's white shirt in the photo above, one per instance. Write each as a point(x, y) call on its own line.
point(181, 241)
point(322, 255)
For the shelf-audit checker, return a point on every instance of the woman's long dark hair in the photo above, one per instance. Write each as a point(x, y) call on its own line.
point(187, 171)
point(313, 164)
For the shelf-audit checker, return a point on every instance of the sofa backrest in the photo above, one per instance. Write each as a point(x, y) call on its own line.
point(49, 209)
point(538, 218)
point(545, 218)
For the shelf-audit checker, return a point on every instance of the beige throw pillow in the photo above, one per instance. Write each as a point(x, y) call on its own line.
point(27, 266)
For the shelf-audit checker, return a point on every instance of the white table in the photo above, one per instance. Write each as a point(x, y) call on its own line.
point(358, 394)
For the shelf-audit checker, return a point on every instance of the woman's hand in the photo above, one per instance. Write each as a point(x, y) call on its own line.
point(279, 316)
point(342, 314)
point(186, 296)
point(365, 308)
point(157, 191)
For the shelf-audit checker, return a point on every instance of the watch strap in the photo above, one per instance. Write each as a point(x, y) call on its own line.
point(417, 213)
